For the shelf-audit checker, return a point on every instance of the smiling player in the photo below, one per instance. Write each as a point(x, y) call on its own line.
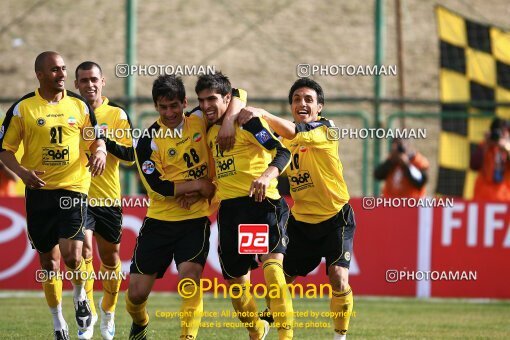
point(322, 221)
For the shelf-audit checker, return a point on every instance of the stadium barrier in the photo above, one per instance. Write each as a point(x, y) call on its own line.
point(456, 251)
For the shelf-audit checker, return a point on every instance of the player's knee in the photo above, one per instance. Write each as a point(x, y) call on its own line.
point(339, 278)
point(73, 260)
point(272, 256)
point(50, 264)
point(86, 252)
point(344, 284)
point(110, 259)
point(190, 270)
point(339, 283)
point(191, 273)
point(138, 293)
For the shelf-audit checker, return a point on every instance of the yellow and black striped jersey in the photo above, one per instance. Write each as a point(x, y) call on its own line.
point(116, 127)
point(167, 156)
point(315, 175)
point(51, 134)
point(255, 148)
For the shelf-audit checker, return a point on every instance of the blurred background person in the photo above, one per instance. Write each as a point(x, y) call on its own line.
point(404, 171)
point(492, 161)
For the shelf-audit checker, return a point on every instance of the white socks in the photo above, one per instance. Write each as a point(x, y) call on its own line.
point(79, 292)
point(58, 319)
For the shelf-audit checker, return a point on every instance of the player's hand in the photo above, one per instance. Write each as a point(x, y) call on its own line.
point(259, 187)
point(187, 200)
point(97, 163)
point(207, 188)
point(31, 178)
point(227, 135)
point(248, 113)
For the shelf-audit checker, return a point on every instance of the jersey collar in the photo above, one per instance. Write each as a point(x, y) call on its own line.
point(103, 104)
point(178, 127)
point(38, 95)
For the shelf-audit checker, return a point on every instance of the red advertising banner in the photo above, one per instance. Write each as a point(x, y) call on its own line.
point(457, 251)
point(472, 237)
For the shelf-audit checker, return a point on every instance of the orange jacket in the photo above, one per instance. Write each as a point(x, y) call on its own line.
point(486, 188)
point(397, 183)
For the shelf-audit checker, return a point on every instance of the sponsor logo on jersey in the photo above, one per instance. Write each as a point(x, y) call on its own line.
point(196, 173)
point(300, 181)
point(172, 152)
point(40, 121)
point(183, 141)
point(225, 167)
point(55, 155)
point(148, 167)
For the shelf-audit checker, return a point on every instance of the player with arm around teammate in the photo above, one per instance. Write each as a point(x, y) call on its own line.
point(322, 221)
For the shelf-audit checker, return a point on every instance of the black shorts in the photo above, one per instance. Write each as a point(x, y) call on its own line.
point(54, 214)
point(309, 243)
point(105, 221)
point(159, 242)
point(243, 210)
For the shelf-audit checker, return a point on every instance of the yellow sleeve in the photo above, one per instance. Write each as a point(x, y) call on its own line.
point(241, 94)
point(124, 147)
point(260, 134)
point(124, 124)
point(151, 169)
point(317, 137)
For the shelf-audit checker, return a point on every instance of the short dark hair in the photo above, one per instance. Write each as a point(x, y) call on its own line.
point(41, 58)
point(217, 81)
point(498, 124)
point(87, 65)
point(307, 82)
point(168, 86)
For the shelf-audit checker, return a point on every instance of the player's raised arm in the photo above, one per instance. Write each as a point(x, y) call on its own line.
point(265, 138)
point(282, 127)
point(226, 135)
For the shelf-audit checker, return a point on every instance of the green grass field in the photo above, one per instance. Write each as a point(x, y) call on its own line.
point(25, 316)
